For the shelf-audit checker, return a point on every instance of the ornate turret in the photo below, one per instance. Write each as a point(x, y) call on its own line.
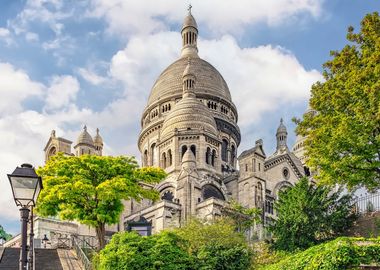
point(98, 142)
point(189, 36)
point(281, 136)
point(85, 143)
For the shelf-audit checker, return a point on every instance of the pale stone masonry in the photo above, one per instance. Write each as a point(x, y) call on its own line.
point(189, 128)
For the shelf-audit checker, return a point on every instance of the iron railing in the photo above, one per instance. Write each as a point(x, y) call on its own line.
point(78, 246)
point(367, 204)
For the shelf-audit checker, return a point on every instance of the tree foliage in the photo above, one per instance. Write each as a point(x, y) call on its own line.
point(4, 235)
point(90, 188)
point(343, 136)
point(341, 253)
point(216, 244)
point(307, 215)
point(133, 252)
point(196, 246)
point(243, 217)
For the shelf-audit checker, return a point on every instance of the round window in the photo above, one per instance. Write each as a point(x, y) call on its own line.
point(285, 173)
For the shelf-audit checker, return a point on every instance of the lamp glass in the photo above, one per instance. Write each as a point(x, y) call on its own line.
point(24, 189)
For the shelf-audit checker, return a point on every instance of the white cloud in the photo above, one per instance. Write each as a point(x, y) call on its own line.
point(15, 87)
point(91, 76)
point(62, 91)
point(31, 37)
point(143, 17)
point(143, 59)
point(4, 32)
point(5, 35)
point(261, 79)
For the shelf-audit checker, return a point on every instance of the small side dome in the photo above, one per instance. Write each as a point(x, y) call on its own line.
point(281, 128)
point(85, 137)
point(189, 114)
point(98, 140)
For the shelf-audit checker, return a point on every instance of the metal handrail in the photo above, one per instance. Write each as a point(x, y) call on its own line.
point(367, 204)
point(81, 255)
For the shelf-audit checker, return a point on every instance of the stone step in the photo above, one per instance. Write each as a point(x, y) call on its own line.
point(10, 259)
point(47, 259)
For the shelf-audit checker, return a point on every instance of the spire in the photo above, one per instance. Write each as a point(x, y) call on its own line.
point(189, 34)
point(281, 136)
point(188, 80)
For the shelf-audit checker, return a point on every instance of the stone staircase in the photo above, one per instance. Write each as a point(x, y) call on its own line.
point(45, 259)
point(10, 259)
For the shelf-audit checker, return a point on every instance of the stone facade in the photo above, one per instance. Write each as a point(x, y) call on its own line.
point(189, 128)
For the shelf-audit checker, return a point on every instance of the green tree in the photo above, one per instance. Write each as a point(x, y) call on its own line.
point(128, 250)
point(243, 217)
point(90, 188)
point(307, 215)
point(216, 244)
point(343, 137)
point(4, 235)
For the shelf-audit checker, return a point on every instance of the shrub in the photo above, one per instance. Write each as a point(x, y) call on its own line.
point(308, 215)
point(131, 251)
point(341, 253)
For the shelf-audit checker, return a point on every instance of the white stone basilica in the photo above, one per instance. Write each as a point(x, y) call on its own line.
point(189, 128)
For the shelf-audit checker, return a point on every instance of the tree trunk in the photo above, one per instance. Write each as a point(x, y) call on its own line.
point(101, 233)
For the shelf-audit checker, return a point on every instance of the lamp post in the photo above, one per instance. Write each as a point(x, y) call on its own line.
point(45, 240)
point(31, 237)
point(26, 186)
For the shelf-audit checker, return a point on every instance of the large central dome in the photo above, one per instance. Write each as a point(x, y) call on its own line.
point(169, 83)
point(190, 106)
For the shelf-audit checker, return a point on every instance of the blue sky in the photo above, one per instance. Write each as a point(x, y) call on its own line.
point(64, 64)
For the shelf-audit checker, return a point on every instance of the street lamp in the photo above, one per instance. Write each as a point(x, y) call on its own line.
point(45, 240)
point(26, 186)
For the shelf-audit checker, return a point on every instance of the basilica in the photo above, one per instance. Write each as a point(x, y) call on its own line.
point(189, 128)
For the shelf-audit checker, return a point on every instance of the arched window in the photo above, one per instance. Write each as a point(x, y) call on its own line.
point(145, 160)
point(52, 152)
point(224, 149)
point(164, 163)
point(193, 149)
point(259, 194)
point(167, 195)
point(170, 158)
point(210, 191)
point(208, 155)
point(233, 155)
point(213, 157)
point(153, 154)
point(183, 150)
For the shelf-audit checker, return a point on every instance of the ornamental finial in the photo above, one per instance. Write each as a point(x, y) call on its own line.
point(189, 8)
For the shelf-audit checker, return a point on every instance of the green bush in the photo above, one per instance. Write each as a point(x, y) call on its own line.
point(338, 254)
point(308, 215)
point(133, 252)
point(196, 246)
point(216, 245)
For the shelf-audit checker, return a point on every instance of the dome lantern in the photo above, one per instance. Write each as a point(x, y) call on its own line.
point(189, 34)
point(188, 79)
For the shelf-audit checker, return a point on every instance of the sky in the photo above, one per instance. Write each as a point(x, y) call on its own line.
point(65, 64)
